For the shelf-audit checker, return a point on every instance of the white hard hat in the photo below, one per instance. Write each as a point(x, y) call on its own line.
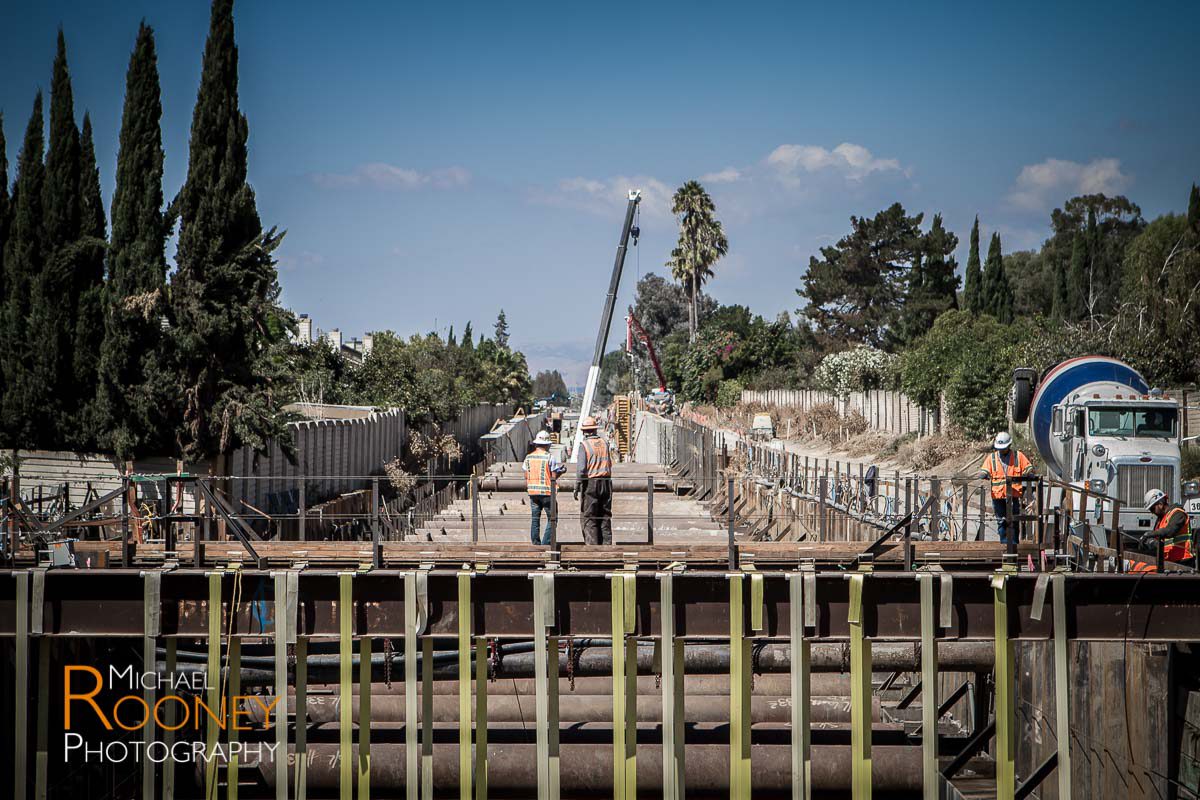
point(1003, 441)
point(1154, 497)
point(589, 424)
point(542, 438)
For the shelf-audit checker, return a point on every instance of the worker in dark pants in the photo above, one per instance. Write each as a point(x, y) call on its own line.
point(594, 480)
point(541, 470)
point(1001, 467)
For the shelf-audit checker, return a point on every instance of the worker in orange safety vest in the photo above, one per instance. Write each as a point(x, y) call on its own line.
point(541, 469)
point(1002, 464)
point(1172, 528)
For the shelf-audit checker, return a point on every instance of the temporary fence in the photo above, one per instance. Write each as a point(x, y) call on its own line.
point(884, 410)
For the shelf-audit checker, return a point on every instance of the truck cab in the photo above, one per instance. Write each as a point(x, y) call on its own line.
point(1120, 445)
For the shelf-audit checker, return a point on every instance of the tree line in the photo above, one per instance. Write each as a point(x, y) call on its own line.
point(99, 349)
point(103, 347)
point(1105, 281)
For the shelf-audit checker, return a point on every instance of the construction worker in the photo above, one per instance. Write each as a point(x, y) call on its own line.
point(541, 469)
point(1002, 464)
point(595, 482)
point(1172, 529)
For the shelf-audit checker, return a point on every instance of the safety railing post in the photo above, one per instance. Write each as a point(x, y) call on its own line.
point(733, 558)
point(126, 544)
point(474, 509)
point(302, 504)
point(554, 518)
point(649, 509)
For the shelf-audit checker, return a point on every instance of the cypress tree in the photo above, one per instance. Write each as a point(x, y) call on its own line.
point(1060, 299)
point(89, 288)
point(933, 284)
point(24, 254)
point(1194, 209)
point(54, 296)
point(131, 397)
point(973, 283)
point(5, 213)
point(997, 293)
point(223, 295)
point(1077, 280)
point(468, 343)
point(502, 331)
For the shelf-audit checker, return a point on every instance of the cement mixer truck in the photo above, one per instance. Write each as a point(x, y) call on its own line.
point(1097, 424)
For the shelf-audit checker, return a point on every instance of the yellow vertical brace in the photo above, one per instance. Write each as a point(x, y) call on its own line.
point(42, 757)
point(235, 689)
point(860, 694)
point(345, 685)
point(152, 582)
point(464, 685)
point(278, 717)
point(801, 708)
point(364, 718)
point(545, 672)
point(301, 718)
point(214, 682)
point(624, 687)
point(21, 687)
point(672, 692)
point(1006, 784)
point(481, 718)
point(168, 780)
point(739, 692)
point(427, 718)
point(929, 694)
point(1062, 677)
point(411, 756)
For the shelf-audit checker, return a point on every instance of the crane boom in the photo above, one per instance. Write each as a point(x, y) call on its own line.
point(610, 302)
point(633, 327)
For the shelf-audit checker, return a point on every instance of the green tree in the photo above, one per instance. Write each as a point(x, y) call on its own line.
point(1033, 283)
point(997, 293)
point(1077, 280)
point(223, 298)
point(501, 336)
point(932, 283)
point(89, 252)
point(468, 342)
point(132, 399)
point(54, 294)
point(24, 257)
point(1194, 209)
point(550, 383)
point(701, 244)
point(5, 223)
point(1117, 222)
point(855, 290)
point(1060, 308)
point(973, 282)
point(1160, 326)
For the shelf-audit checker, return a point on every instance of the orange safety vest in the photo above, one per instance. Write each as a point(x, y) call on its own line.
point(537, 473)
point(599, 462)
point(999, 471)
point(1178, 547)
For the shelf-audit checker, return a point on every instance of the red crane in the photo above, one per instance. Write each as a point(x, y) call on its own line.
point(633, 327)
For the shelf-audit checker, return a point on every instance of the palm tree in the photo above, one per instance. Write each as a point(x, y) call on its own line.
point(701, 244)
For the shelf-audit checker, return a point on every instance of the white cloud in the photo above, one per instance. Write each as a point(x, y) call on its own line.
point(727, 175)
point(853, 161)
point(1039, 186)
point(602, 196)
point(301, 260)
point(380, 175)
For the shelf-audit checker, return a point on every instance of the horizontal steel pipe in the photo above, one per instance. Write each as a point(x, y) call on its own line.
point(586, 769)
point(324, 709)
point(699, 659)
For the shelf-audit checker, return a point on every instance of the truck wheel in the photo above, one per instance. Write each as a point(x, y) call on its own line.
point(1021, 396)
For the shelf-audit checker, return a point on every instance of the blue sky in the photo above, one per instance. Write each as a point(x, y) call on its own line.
point(433, 163)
